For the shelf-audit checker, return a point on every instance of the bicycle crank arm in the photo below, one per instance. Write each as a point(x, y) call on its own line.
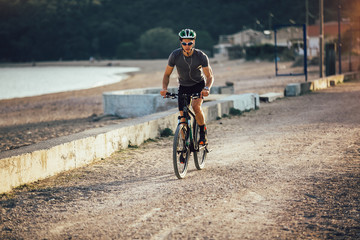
point(206, 149)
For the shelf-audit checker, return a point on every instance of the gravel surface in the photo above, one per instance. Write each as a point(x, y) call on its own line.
point(290, 170)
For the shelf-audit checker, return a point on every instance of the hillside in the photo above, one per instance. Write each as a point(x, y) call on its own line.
point(37, 30)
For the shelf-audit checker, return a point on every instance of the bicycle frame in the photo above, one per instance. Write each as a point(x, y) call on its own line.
point(187, 114)
point(187, 142)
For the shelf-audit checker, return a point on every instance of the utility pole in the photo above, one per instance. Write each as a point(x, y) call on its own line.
point(306, 35)
point(307, 12)
point(321, 38)
point(339, 35)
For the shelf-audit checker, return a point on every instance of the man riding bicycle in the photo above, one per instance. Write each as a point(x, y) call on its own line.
point(189, 62)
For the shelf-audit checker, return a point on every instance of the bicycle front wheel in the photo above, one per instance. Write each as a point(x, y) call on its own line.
point(181, 151)
point(200, 150)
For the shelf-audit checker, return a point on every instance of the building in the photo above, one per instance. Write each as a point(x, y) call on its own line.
point(331, 32)
point(286, 37)
point(244, 38)
point(291, 37)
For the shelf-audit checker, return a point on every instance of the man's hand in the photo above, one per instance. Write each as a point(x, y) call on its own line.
point(205, 92)
point(163, 92)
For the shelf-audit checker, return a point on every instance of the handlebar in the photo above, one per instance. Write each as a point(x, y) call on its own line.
point(175, 95)
point(171, 95)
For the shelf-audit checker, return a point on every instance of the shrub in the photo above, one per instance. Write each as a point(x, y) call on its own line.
point(235, 112)
point(166, 132)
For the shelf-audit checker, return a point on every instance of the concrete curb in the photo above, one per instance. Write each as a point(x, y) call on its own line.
point(297, 89)
point(48, 158)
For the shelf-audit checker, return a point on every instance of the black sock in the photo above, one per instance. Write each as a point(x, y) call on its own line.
point(202, 128)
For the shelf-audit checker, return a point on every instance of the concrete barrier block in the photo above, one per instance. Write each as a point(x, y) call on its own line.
point(227, 90)
point(305, 87)
point(352, 76)
point(215, 110)
point(324, 83)
point(245, 102)
point(292, 90)
point(211, 112)
point(319, 84)
point(224, 107)
point(335, 80)
point(129, 106)
point(141, 102)
point(162, 104)
point(270, 97)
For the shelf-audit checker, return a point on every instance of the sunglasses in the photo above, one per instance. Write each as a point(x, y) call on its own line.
point(189, 43)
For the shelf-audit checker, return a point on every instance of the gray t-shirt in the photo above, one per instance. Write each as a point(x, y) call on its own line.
point(189, 68)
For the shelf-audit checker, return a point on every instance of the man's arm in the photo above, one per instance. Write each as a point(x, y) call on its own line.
point(166, 80)
point(209, 80)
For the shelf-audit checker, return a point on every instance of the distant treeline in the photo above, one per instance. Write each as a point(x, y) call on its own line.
point(37, 30)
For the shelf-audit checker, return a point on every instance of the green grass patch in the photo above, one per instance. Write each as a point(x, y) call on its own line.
point(132, 146)
point(235, 112)
point(166, 132)
point(149, 140)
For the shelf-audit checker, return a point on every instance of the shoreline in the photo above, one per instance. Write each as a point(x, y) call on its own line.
point(26, 82)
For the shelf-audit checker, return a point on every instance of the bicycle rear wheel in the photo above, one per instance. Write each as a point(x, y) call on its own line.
point(181, 151)
point(200, 150)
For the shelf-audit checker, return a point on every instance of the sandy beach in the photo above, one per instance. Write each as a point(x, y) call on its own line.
point(25, 121)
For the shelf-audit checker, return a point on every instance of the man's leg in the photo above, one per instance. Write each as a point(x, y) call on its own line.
point(200, 119)
point(182, 119)
point(199, 115)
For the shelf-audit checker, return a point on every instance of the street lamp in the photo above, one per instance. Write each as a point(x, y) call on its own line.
point(270, 19)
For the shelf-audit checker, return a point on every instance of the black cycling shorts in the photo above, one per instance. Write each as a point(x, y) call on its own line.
point(197, 88)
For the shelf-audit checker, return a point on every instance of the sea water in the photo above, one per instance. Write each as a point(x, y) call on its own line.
point(18, 82)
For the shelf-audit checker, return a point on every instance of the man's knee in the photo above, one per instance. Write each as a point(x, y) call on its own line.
point(197, 109)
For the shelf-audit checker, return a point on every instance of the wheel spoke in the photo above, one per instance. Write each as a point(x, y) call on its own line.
point(200, 154)
point(181, 152)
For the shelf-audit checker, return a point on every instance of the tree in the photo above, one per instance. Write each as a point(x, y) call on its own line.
point(126, 50)
point(108, 39)
point(204, 42)
point(157, 43)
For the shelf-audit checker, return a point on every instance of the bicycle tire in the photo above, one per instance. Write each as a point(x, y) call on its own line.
point(200, 151)
point(181, 150)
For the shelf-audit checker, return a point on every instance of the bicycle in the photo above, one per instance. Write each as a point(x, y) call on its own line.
point(186, 139)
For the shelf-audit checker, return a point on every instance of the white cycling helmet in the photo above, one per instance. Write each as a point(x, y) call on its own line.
point(187, 34)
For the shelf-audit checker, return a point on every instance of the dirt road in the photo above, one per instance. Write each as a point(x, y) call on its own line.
point(290, 170)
